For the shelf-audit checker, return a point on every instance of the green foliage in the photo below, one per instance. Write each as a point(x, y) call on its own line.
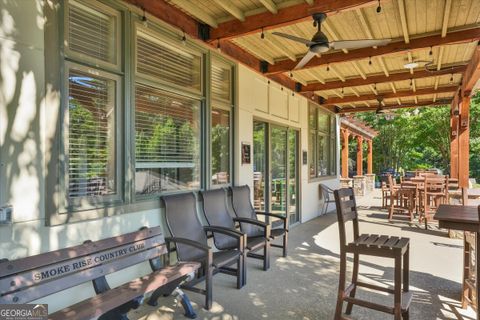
point(220, 148)
point(412, 141)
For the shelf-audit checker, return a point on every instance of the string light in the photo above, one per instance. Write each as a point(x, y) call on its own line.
point(379, 8)
point(451, 78)
point(291, 74)
point(262, 35)
point(218, 45)
point(328, 67)
point(184, 38)
point(370, 60)
point(431, 51)
point(144, 18)
point(411, 82)
point(342, 90)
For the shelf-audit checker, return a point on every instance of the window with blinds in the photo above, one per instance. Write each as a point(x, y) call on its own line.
point(221, 82)
point(167, 141)
point(91, 32)
point(91, 135)
point(163, 62)
point(321, 142)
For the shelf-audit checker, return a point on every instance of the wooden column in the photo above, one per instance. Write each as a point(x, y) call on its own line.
point(454, 140)
point(359, 155)
point(345, 136)
point(370, 157)
point(463, 142)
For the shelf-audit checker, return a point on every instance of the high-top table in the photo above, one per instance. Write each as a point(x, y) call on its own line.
point(464, 218)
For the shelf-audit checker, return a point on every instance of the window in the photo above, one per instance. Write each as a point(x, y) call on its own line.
point(92, 104)
point(321, 143)
point(167, 141)
point(220, 134)
point(167, 120)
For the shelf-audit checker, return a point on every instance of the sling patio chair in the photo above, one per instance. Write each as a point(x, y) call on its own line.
point(242, 206)
point(190, 239)
point(214, 207)
point(326, 194)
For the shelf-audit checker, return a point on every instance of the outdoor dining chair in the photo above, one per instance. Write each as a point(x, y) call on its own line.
point(326, 194)
point(373, 245)
point(242, 207)
point(434, 193)
point(402, 199)
point(214, 207)
point(190, 239)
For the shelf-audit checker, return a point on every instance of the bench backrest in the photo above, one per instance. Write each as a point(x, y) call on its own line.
point(27, 279)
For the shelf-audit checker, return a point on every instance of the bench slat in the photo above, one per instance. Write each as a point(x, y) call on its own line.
point(23, 264)
point(78, 277)
point(96, 306)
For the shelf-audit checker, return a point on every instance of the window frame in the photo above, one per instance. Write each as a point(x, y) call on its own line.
point(225, 105)
point(77, 56)
point(329, 135)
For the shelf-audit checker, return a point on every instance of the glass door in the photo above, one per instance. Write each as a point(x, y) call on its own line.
point(275, 170)
point(260, 157)
point(293, 174)
point(278, 169)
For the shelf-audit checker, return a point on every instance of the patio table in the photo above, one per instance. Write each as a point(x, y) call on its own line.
point(464, 218)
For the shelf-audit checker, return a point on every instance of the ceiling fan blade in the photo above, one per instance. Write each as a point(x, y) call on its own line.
point(294, 38)
point(305, 60)
point(356, 44)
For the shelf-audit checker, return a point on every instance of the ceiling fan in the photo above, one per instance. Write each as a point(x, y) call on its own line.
point(320, 43)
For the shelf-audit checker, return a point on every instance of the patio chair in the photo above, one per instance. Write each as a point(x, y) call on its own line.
point(402, 199)
point(190, 239)
point(434, 193)
point(214, 207)
point(326, 194)
point(242, 206)
point(373, 245)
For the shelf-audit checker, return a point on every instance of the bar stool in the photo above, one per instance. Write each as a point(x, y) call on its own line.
point(373, 245)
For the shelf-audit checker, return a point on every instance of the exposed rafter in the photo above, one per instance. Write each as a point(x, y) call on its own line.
point(286, 16)
point(395, 47)
point(270, 5)
point(396, 106)
point(471, 75)
point(403, 20)
point(272, 40)
point(389, 95)
point(231, 8)
point(446, 16)
point(196, 12)
point(379, 79)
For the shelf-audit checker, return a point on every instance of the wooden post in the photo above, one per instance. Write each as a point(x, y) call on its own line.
point(463, 142)
point(359, 156)
point(370, 157)
point(345, 135)
point(454, 140)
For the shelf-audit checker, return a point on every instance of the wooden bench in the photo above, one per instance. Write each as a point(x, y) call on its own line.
point(27, 279)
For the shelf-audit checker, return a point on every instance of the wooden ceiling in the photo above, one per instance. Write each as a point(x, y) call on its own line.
point(445, 32)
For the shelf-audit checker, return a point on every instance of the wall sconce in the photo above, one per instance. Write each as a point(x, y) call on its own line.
point(464, 123)
point(454, 133)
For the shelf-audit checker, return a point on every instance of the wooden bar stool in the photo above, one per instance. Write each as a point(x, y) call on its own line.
point(373, 245)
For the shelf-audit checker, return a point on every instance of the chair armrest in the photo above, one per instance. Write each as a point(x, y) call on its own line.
point(240, 236)
point(266, 227)
point(188, 242)
point(275, 215)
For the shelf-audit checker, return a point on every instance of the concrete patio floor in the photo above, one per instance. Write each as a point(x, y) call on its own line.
point(304, 285)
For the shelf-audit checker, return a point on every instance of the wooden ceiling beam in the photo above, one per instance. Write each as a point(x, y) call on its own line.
point(355, 82)
point(392, 48)
point(231, 8)
point(471, 75)
point(403, 20)
point(286, 16)
point(395, 106)
point(389, 95)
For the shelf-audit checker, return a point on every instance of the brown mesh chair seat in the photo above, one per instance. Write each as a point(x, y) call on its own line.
point(215, 209)
point(244, 210)
point(191, 243)
point(373, 245)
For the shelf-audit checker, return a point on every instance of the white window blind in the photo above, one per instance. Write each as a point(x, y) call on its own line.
point(167, 137)
point(91, 135)
point(221, 82)
point(163, 62)
point(92, 32)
